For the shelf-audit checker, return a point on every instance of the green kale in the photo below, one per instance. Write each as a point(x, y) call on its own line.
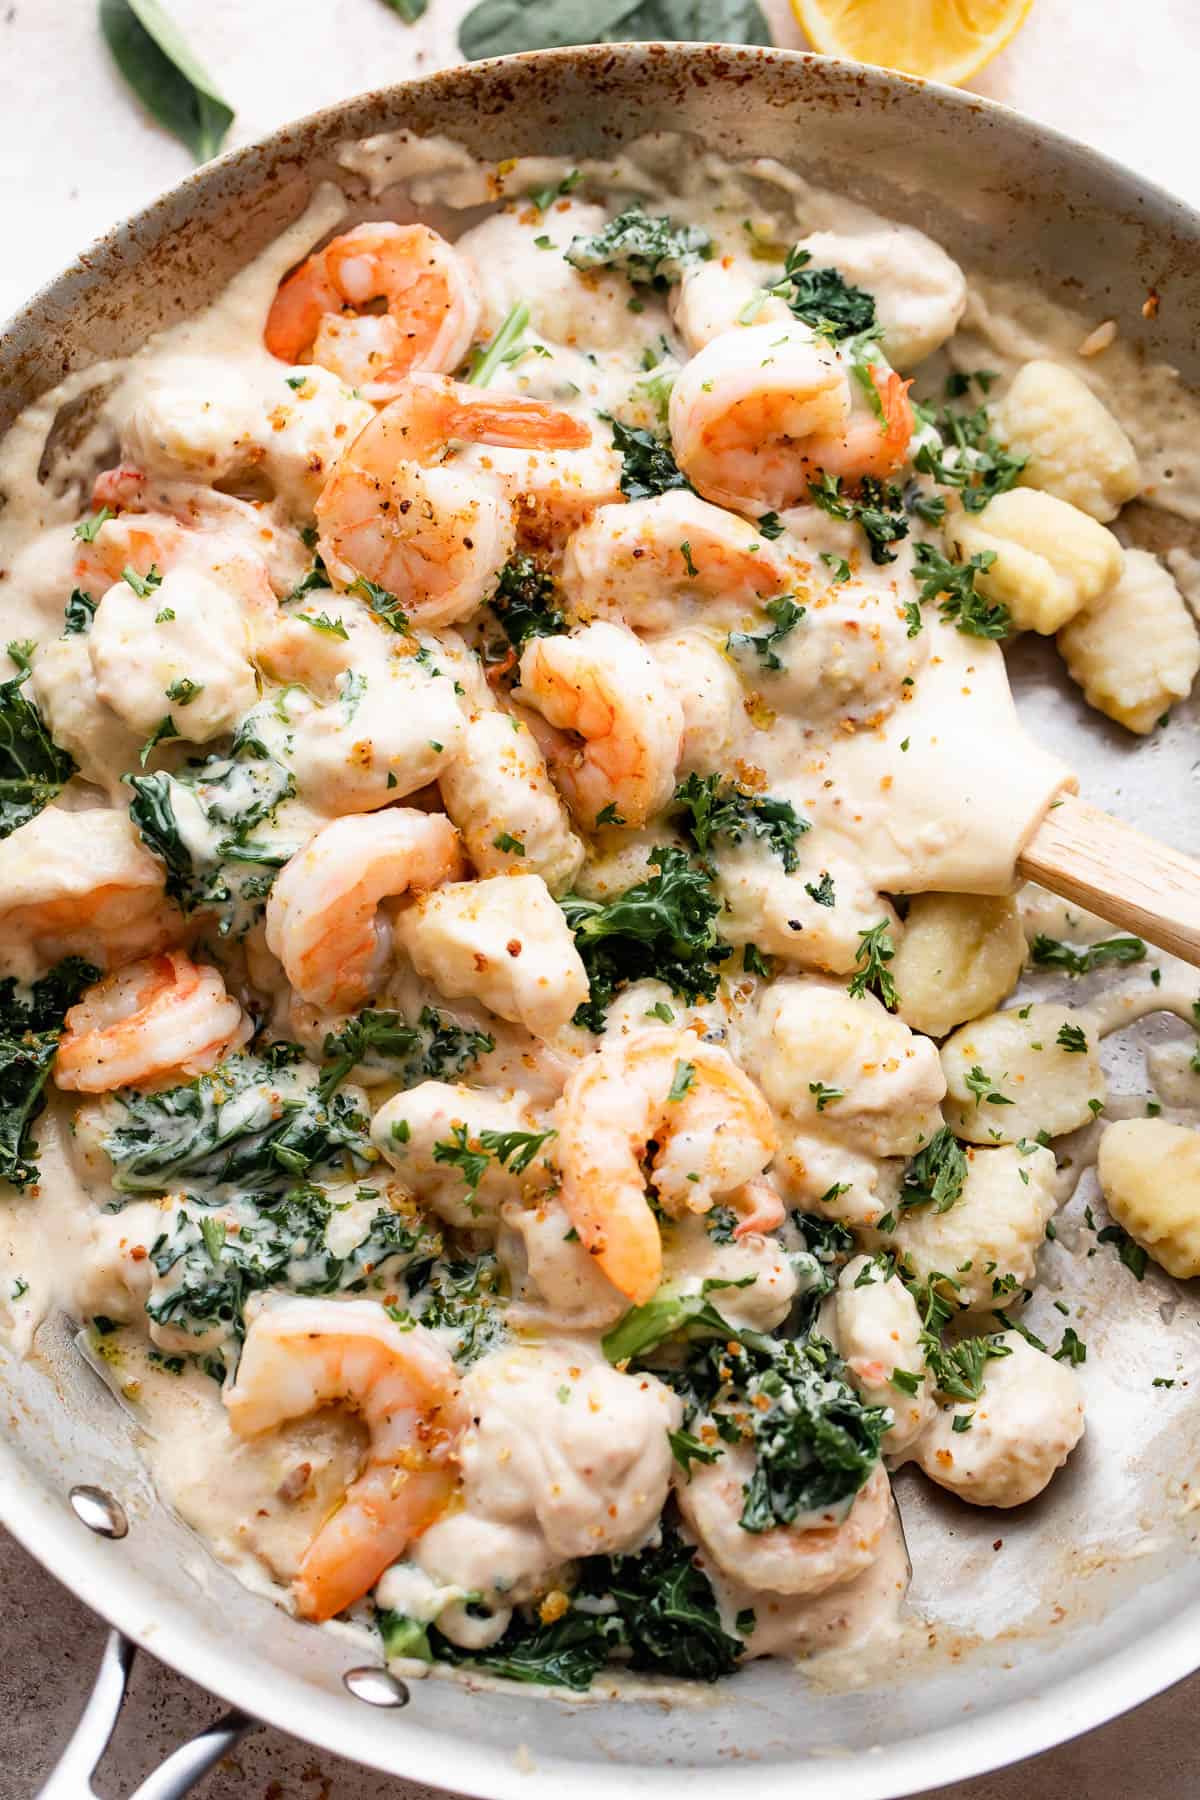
point(462, 1295)
point(524, 602)
point(719, 807)
point(649, 249)
point(648, 465)
point(662, 928)
point(878, 508)
point(33, 770)
point(434, 1049)
point(785, 615)
point(31, 1022)
point(668, 1315)
point(667, 1618)
point(567, 1653)
point(952, 585)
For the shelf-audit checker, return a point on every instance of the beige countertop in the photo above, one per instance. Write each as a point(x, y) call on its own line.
point(76, 156)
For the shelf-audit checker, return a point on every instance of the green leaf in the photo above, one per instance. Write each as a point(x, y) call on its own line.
point(718, 807)
point(645, 247)
point(31, 1022)
point(434, 1049)
point(151, 54)
point(952, 585)
point(937, 1174)
point(875, 951)
point(648, 465)
point(824, 299)
point(502, 27)
point(1050, 953)
point(409, 10)
point(504, 347)
point(785, 615)
point(524, 602)
point(33, 770)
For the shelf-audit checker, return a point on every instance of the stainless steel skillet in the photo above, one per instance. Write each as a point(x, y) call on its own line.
point(1066, 1630)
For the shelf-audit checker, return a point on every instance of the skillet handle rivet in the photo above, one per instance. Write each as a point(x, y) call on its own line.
point(99, 1511)
point(378, 1687)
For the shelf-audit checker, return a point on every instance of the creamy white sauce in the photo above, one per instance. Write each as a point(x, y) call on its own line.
point(903, 752)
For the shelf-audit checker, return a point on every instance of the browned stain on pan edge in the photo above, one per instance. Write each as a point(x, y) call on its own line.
point(998, 190)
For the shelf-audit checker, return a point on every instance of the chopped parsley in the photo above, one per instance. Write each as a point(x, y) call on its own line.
point(977, 465)
point(875, 951)
point(648, 465)
point(1131, 1254)
point(825, 1096)
point(785, 615)
point(878, 509)
point(79, 612)
point(952, 585)
point(1073, 1039)
point(984, 1088)
point(823, 298)
point(822, 891)
point(936, 1175)
point(434, 1049)
point(384, 605)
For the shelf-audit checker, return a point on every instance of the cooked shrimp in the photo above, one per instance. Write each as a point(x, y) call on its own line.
point(602, 685)
point(432, 307)
point(743, 409)
point(640, 563)
point(806, 1557)
point(434, 534)
point(80, 883)
point(876, 437)
point(301, 1355)
point(322, 917)
point(163, 1016)
point(712, 1130)
point(758, 1207)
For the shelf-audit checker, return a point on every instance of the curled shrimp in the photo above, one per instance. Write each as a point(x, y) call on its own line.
point(322, 919)
point(712, 1130)
point(638, 563)
point(759, 412)
point(80, 884)
point(433, 533)
point(876, 436)
point(602, 684)
point(301, 1355)
point(816, 1552)
point(432, 307)
point(163, 1016)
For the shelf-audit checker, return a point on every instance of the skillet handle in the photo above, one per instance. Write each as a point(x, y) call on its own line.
point(71, 1779)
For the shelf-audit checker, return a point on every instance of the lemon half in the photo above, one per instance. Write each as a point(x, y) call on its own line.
point(942, 40)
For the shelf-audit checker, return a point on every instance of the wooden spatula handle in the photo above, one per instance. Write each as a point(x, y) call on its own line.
point(1101, 863)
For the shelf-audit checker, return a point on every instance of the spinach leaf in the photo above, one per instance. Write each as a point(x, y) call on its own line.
point(667, 1614)
point(151, 54)
point(663, 927)
point(650, 249)
point(648, 465)
point(500, 27)
point(31, 1022)
point(567, 1653)
point(246, 1121)
point(668, 1315)
point(220, 800)
point(33, 770)
point(719, 807)
point(280, 1241)
point(1051, 953)
point(462, 1295)
point(434, 1049)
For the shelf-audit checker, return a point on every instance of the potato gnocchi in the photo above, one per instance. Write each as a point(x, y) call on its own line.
point(508, 837)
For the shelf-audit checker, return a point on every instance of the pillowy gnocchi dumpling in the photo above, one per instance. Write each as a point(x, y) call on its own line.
point(846, 1066)
point(1051, 559)
point(879, 1332)
point(1150, 1176)
point(987, 1243)
point(959, 956)
point(501, 940)
point(181, 649)
point(1023, 1427)
point(1136, 650)
point(1015, 1073)
point(497, 790)
point(1074, 448)
point(919, 291)
point(411, 1126)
